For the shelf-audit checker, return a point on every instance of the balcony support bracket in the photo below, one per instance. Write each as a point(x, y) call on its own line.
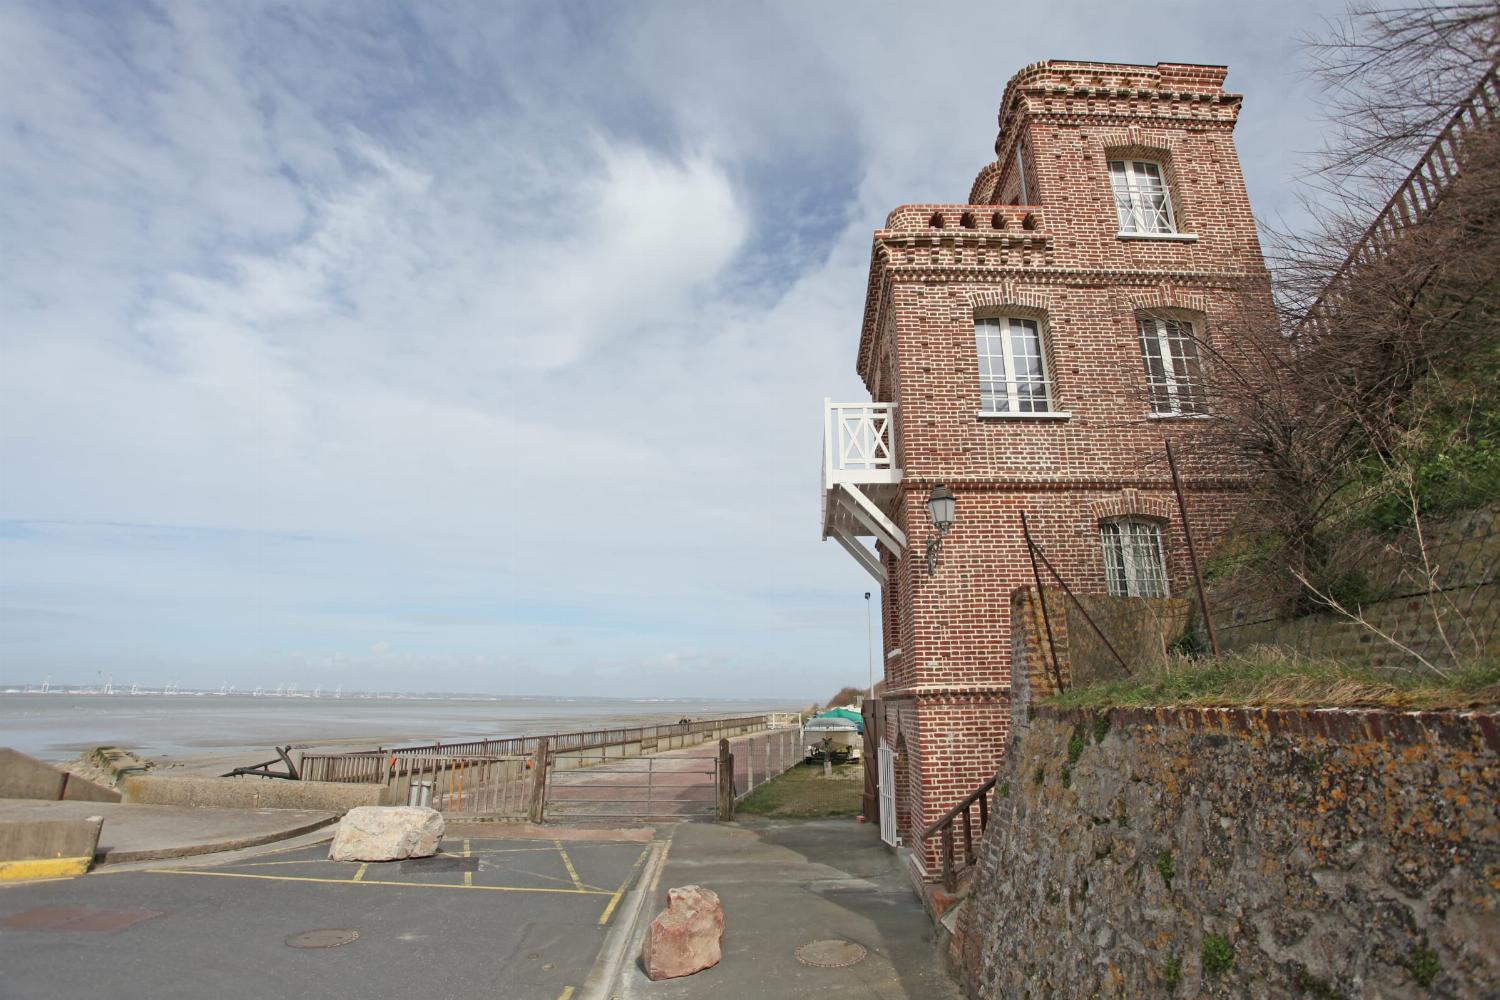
point(863, 510)
point(861, 555)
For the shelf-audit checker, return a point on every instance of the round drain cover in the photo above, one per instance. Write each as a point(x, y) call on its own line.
point(831, 954)
point(327, 937)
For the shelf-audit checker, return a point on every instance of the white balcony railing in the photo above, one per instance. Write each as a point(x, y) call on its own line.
point(859, 444)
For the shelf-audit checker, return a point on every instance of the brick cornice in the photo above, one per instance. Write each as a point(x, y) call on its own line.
point(914, 482)
point(1115, 276)
point(923, 692)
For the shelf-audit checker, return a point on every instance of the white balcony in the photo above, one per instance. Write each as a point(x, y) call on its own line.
point(861, 478)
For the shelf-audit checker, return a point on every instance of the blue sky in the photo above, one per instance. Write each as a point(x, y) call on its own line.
point(481, 347)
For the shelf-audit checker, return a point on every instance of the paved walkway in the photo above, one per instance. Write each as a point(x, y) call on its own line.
point(785, 883)
point(671, 785)
point(149, 833)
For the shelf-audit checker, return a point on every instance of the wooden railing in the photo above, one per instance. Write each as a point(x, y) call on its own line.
point(944, 827)
point(526, 746)
point(1416, 196)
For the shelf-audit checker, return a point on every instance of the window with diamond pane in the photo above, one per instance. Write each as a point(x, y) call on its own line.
point(1141, 199)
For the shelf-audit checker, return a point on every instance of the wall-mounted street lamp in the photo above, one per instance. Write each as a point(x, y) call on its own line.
point(940, 507)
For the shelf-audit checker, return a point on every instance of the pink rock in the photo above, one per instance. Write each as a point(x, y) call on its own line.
point(684, 939)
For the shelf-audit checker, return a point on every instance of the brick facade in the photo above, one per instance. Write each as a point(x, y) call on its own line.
point(1043, 247)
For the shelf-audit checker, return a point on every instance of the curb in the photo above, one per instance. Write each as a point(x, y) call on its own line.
point(106, 858)
point(617, 954)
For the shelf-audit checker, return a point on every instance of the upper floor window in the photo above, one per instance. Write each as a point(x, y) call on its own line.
point(1012, 370)
point(1141, 198)
point(1134, 564)
point(1174, 373)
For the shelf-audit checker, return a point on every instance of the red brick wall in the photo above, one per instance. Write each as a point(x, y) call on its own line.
point(1059, 260)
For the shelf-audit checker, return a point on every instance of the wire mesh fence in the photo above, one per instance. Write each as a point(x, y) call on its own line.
point(1420, 595)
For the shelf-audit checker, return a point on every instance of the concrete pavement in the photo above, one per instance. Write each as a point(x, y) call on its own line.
point(785, 884)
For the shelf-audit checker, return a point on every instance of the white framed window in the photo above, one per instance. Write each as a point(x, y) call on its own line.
point(1141, 198)
point(1134, 559)
point(1012, 368)
point(1174, 370)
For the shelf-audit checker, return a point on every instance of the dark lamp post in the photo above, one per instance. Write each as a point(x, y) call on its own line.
point(941, 506)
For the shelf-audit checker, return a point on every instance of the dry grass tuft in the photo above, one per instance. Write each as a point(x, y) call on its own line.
point(1274, 677)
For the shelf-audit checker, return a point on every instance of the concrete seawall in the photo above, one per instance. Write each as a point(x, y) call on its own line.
point(23, 777)
point(47, 848)
point(251, 793)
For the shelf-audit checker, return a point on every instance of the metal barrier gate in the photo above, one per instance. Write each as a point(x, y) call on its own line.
point(668, 787)
point(497, 787)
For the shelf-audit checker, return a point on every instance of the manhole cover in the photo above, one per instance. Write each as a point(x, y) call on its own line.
point(832, 954)
point(327, 937)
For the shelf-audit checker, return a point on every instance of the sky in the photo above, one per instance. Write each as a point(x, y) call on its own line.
point(482, 347)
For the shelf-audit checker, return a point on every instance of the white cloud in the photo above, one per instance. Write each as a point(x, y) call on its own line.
point(497, 337)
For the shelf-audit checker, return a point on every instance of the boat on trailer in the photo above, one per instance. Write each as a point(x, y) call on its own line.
point(837, 735)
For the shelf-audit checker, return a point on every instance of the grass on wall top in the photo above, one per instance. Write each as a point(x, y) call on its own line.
point(1270, 677)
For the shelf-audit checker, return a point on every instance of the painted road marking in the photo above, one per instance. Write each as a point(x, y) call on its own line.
point(344, 881)
point(359, 876)
point(614, 900)
point(656, 879)
point(325, 860)
point(566, 994)
point(568, 863)
point(43, 868)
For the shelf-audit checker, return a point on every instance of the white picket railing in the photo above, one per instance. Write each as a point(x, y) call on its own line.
point(859, 443)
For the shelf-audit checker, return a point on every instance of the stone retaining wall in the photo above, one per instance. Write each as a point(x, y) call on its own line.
point(1221, 852)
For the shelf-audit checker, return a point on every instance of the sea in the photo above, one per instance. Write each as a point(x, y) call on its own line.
point(59, 726)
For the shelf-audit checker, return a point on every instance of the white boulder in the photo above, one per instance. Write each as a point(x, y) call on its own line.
point(387, 833)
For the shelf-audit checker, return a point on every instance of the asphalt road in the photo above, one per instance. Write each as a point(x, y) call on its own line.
point(489, 918)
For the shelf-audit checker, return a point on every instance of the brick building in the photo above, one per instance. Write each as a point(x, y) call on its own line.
point(1031, 350)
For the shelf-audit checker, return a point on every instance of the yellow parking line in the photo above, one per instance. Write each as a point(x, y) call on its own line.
point(411, 885)
point(466, 848)
point(566, 994)
point(656, 880)
point(568, 863)
point(614, 899)
point(469, 880)
point(359, 876)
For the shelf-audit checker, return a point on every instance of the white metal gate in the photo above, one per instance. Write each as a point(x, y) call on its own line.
point(888, 795)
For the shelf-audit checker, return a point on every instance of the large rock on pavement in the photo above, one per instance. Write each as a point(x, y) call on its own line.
point(684, 939)
point(387, 833)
